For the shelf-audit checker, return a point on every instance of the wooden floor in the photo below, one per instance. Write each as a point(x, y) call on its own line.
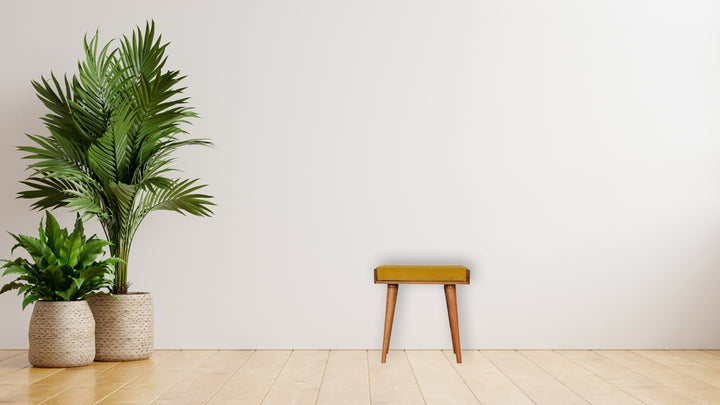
point(347, 377)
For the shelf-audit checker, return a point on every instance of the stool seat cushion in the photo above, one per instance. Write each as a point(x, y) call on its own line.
point(422, 274)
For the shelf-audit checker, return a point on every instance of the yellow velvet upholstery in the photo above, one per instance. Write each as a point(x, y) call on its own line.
point(422, 274)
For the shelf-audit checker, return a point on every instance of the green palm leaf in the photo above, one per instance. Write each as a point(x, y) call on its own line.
point(113, 131)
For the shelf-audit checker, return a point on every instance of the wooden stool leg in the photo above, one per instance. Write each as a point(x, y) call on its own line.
point(392, 290)
point(451, 299)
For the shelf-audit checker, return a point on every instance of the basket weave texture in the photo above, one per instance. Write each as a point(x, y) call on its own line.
point(124, 327)
point(61, 334)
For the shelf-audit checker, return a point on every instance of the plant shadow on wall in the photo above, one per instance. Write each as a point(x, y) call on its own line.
point(113, 130)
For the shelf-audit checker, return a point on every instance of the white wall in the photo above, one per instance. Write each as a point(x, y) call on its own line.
point(567, 151)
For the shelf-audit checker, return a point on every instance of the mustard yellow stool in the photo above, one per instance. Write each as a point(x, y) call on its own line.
point(404, 274)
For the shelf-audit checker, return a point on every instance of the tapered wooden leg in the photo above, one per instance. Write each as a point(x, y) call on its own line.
point(451, 299)
point(392, 290)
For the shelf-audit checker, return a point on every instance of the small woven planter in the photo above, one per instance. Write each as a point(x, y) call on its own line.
point(61, 334)
point(124, 327)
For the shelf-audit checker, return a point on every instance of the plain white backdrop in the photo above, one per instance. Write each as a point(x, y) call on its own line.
point(568, 152)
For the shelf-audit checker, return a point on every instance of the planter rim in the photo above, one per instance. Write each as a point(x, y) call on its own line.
point(135, 293)
point(61, 302)
point(130, 293)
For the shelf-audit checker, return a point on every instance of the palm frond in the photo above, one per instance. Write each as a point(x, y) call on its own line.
point(48, 192)
point(182, 198)
point(60, 120)
point(109, 155)
point(114, 129)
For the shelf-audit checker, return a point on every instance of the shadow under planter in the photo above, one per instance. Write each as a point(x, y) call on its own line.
point(61, 334)
point(123, 326)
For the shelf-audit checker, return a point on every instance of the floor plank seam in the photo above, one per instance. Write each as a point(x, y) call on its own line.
point(639, 353)
point(674, 369)
point(78, 383)
point(508, 377)
point(659, 365)
point(230, 377)
point(671, 368)
point(13, 358)
point(156, 399)
point(6, 354)
point(541, 368)
point(9, 393)
point(322, 378)
point(412, 371)
point(674, 352)
point(276, 376)
point(586, 376)
point(608, 381)
point(444, 353)
point(135, 379)
point(713, 352)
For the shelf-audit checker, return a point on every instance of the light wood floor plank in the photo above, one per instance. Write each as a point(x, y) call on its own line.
point(438, 381)
point(666, 376)
point(153, 383)
point(24, 377)
point(707, 374)
point(96, 388)
point(55, 384)
point(13, 364)
point(202, 383)
point(393, 382)
point(699, 356)
point(490, 386)
point(16, 372)
point(627, 380)
point(253, 380)
point(346, 379)
point(6, 354)
point(299, 381)
point(589, 386)
point(538, 385)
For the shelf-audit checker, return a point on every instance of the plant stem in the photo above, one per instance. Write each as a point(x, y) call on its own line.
point(122, 251)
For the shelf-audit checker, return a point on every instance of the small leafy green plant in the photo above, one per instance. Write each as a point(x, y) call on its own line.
point(64, 266)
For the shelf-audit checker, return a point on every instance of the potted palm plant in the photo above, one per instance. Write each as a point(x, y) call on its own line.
point(113, 130)
point(64, 271)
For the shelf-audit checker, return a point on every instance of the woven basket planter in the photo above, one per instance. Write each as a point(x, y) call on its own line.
point(61, 334)
point(124, 327)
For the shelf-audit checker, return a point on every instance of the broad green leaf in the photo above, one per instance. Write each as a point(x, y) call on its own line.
point(69, 294)
point(10, 286)
point(29, 299)
point(15, 270)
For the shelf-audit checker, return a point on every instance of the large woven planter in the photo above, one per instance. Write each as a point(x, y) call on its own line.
point(123, 326)
point(61, 334)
